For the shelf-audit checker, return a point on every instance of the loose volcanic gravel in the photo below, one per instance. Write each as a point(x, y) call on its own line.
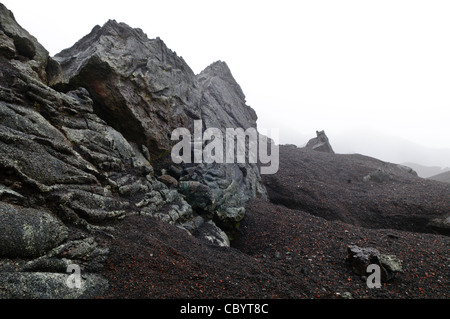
point(295, 246)
point(281, 253)
point(333, 186)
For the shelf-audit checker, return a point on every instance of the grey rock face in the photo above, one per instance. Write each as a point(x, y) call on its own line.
point(139, 86)
point(407, 169)
point(442, 224)
point(210, 232)
point(223, 101)
point(144, 91)
point(80, 135)
point(378, 176)
point(198, 195)
point(360, 258)
point(7, 47)
point(26, 232)
point(223, 106)
point(40, 285)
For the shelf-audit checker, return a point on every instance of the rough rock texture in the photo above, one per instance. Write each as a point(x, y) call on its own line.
point(360, 258)
point(83, 138)
point(39, 285)
point(223, 106)
point(27, 232)
point(139, 86)
point(378, 176)
point(145, 91)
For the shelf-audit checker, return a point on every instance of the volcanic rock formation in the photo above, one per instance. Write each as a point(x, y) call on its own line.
point(84, 137)
point(87, 180)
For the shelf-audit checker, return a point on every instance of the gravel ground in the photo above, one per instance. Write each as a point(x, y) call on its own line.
point(281, 253)
point(297, 252)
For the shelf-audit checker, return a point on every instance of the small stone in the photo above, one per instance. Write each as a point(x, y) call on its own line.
point(346, 295)
point(169, 181)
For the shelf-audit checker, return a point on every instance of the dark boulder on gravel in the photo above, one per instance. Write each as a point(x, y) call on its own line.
point(361, 258)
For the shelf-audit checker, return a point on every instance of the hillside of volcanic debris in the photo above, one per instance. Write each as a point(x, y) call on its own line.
point(359, 190)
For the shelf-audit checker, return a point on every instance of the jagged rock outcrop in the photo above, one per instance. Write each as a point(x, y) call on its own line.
point(223, 101)
point(84, 137)
point(79, 186)
point(139, 86)
point(28, 54)
point(145, 91)
point(223, 106)
point(320, 143)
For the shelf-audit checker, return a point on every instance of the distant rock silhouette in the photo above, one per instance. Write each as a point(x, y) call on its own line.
point(320, 143)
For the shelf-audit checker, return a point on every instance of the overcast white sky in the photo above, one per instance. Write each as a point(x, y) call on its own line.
point(366, 72)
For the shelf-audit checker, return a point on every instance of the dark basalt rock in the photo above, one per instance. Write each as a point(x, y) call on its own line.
point(139, 86)
point(27, 232)
point(81, 136)
point(145, 91)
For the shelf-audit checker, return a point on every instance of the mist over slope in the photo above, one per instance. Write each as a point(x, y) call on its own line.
point(376, 144)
